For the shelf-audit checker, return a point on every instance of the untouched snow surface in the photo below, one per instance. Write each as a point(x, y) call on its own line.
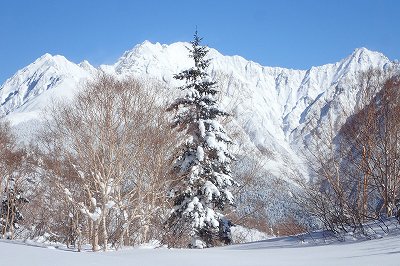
point(316, 248)
point(278, 251)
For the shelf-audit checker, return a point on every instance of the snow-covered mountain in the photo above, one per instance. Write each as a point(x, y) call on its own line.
point(32, 88)
point(271, 105)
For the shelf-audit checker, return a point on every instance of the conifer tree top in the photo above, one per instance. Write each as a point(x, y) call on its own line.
point(197, 73)
point(198, 53)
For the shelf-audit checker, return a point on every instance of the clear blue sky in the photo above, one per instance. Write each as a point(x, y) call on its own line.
point(287, 33)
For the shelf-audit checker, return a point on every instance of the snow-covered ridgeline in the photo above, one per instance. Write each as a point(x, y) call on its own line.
point(270, 104)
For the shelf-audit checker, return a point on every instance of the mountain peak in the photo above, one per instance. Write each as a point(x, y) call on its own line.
point(142, 47)
point(47, 60)
point(87, 66)
point(45, 73)
point(147, 43)
point(46, 56)
point(362, 50)
point(150, 54)
point(364, 55)
point(361, 59)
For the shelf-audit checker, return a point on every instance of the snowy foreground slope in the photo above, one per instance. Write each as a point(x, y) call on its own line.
point(279, 251)
point(316, 248)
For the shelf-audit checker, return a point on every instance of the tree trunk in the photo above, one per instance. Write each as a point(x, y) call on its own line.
point(95, 236)
point(105, 234)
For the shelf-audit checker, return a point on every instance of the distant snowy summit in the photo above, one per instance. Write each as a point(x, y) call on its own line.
point(271, 105)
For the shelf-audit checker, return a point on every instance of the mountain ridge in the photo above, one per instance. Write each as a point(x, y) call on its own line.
point(271, 105)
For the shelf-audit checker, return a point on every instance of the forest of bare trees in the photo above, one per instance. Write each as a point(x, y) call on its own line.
point(355, 168)
point(106, 158)
point(103, 163)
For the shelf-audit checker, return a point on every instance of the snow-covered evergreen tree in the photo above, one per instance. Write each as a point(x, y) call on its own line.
point(203, 166)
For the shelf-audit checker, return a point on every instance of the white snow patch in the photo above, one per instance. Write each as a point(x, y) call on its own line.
point(200, 153)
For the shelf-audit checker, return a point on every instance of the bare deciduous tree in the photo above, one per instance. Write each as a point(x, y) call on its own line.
point(371, 137)
point(14, 173)
point(107, 159)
